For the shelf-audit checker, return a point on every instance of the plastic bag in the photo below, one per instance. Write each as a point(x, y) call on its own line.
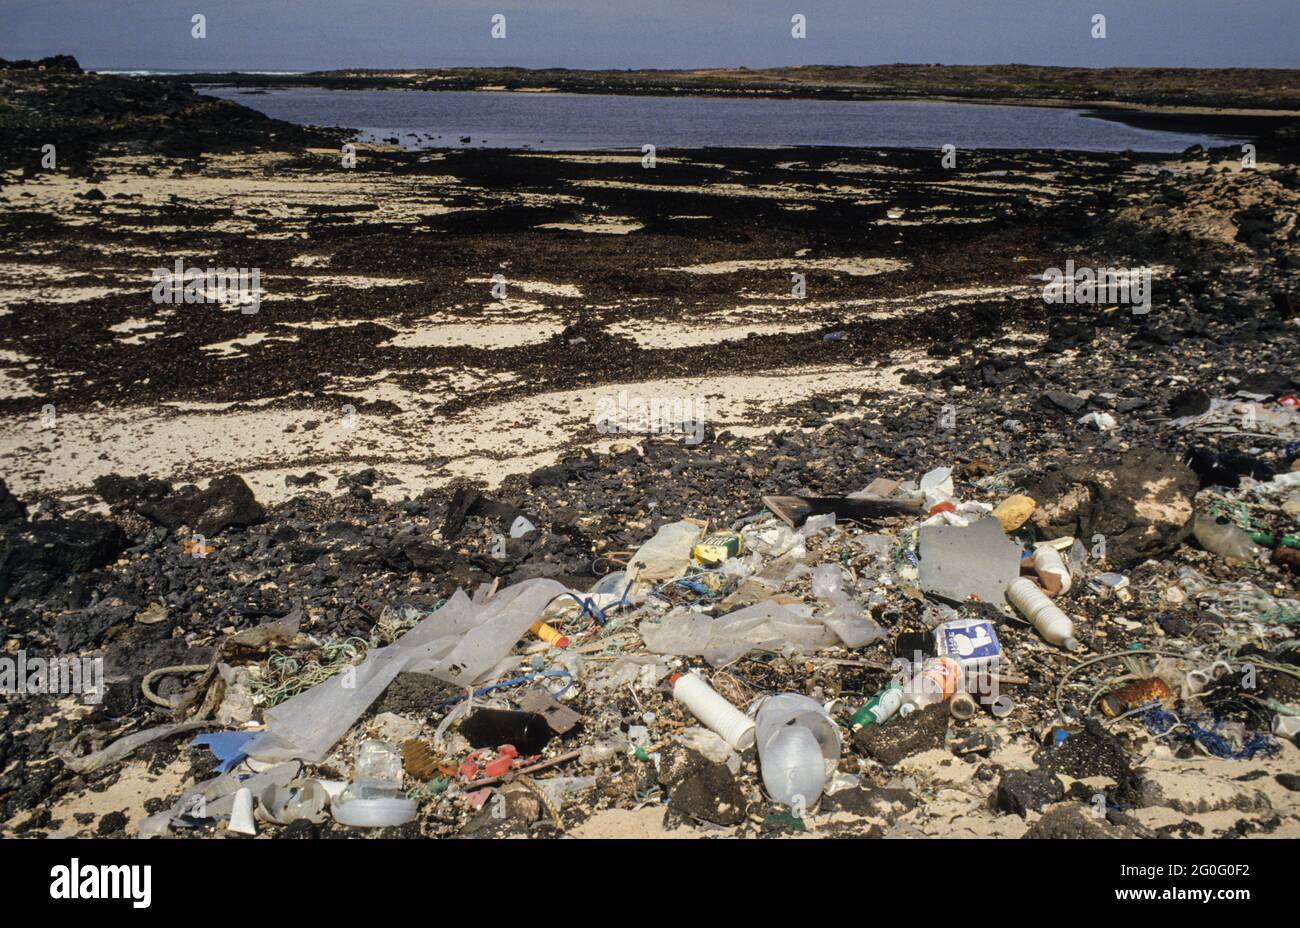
point(458, 644)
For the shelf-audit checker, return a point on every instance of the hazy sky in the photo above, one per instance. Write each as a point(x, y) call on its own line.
point(318, 34)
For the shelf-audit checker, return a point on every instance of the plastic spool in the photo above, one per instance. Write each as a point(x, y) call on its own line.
point(1048, 560)
point(718, 715)
point(375, 813)
point(1031, 602)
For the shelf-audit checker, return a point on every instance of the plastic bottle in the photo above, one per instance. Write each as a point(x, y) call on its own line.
point(718, 715)
point(1047, 560)
point(798, 748)
point(933, 683)
point(377, 770)
point(490, 728)
point(879, 708)
point(1031, 602)
point(1221, 536)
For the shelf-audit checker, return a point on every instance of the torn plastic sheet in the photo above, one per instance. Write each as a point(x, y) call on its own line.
point(122, 747)
point(458, 644)
point(767, 626)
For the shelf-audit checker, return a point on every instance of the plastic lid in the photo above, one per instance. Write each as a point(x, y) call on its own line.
point(672, 681)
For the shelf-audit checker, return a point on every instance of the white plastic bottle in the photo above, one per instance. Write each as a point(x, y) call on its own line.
point(1047, 560)
point(798, 748)
point(1031, 602)
point(718, 715)
point(937, 679)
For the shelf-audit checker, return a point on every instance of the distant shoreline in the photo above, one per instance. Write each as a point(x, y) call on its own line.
point(1180, 91)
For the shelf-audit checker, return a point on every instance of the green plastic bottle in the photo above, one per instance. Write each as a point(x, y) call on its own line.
point(879, 707)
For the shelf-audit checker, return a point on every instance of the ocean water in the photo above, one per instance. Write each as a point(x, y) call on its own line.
point(566, 122)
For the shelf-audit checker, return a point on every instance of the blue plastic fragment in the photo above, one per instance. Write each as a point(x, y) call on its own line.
point(226, 746)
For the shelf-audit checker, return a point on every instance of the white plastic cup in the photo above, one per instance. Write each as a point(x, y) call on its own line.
point(798, 748)
point(1031, 602)
point(718, 715)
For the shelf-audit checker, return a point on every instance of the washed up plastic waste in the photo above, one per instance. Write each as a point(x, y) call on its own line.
point(667, 554)
point(938, 679)
point(721, 641)
point(490, 728)
point(1014, 511)
point(798, 748)
point(1050, 567)
point(1053, 624)
point(879, 708)
point(124, 746)
point(1221, 536)
point(972, 643)
point(241, 816)
point(720, 716)
point(300, 800)
point(959, 562)
point(226, 746)
point(842, 615)
point(374, 798)
point(461, 643)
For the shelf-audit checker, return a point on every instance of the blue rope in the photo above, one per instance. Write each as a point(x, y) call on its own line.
point(1160, 723)
point(515, 681)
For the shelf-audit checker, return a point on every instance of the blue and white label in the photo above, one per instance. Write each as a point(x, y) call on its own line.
point(971, 642)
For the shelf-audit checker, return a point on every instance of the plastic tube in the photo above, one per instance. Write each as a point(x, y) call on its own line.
point(552, 636)
point(1031, 602)
point(718, 715)
point(962, 706)
point(1047, 560)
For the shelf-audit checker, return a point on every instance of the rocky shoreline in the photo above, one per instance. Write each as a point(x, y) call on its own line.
point(359, 463)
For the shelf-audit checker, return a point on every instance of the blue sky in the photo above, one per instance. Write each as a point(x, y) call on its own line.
point(318, 34)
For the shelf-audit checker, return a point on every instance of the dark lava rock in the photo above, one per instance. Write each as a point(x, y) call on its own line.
point(712, 795)
point(1065, 402)
point(1225, 468)
point(677, 762)
point(1073, 822)
point(34, 556)
point(1290, 780)
point(309, 479)
point(226, 503)
point(1021, 791)
point(11, 507)
point(1093, 752)
point(115, 489)
point(1141, 503)
point(72, 632)
point(470, 502)
point(1271, 385)
point(1189, 403)
point(111, 823)
point(921, 731)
